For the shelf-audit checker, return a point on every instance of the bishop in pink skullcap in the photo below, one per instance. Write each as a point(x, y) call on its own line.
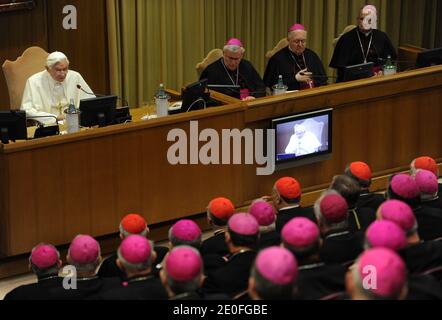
point(404, 186)
point(398, 212)
point(44, 256)
point(84, 249)
point(386, 234)
point(296, 27)
point(277, 265)
point(426, 182)
point(234, 42)
point(186, 230)
point(135, 249)
point(183, 263)
point(332, 207)
point(389, 269)
point(243, 224)
point(300, 233)
point(263, 212)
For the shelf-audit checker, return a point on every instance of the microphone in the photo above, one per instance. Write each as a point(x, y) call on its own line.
point(125, 103)
point(41, 117)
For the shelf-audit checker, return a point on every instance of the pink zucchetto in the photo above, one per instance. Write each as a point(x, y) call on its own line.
point(234, 42)
point(426, 181)
point(243, 224)
point(300, 233)
point(44, 256)
point(135, 249)
point(390, 271)
point(277, 265)
point(263, 212)
point(398, 212)
point(333, 208)
point(84, 249)
point(186, 230)
point(404, 186)
point(296, 27)
point(183, 263)
point(386, 234)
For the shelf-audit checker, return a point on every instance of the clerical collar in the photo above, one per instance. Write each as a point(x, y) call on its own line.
point(87, 278)
point(220, 231)
point(47, 278)
point(290, 207)
point(366, 34)
point(240, 252)
point(140, 278)
point(311, 266)
point(334, 234)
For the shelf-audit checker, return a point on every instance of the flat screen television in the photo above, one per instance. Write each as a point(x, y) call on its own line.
point(429, 58)
point(195, 96)
point(358, 71)
point(303, 138)
point(98, 111)
point(13, 126)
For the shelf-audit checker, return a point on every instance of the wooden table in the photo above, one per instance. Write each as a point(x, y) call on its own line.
point(57, 187)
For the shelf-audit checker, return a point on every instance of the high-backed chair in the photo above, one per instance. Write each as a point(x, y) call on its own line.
point(17, 72)
point(281, 45)
point(346, 29)
point(211, 57)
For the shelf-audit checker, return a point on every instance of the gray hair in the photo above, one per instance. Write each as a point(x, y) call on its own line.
point(137, 267)
point(321, 219)
point(54, 58)
point(233, 48)
point(47, 271)
point(178, 242)
point(127, 234)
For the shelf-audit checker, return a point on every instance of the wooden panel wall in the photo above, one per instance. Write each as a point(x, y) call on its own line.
point(85, 47)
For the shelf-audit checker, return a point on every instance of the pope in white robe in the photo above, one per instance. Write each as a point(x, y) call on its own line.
point(302, 142)
point(49, 92)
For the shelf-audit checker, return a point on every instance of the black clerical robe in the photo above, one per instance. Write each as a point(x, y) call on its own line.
point(247, 78)
point(287, 64)
point(348, 51)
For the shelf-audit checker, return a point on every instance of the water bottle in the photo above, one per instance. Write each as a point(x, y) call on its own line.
point(389, 67)
point(162, 102)
point(280, 87)
point(72, 116)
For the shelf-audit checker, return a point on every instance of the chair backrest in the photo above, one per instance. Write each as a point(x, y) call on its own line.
point(211, 57)
point(346, 29)
point(17, 72)
point(281, 45)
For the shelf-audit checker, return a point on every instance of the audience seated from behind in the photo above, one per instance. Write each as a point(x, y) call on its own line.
point(387, 234)
point(264, 214)
point(359, 218)
point(419, 256)
point(429, 188)
point(131, 224)
point(273, 275)
point(183, 275)
point(45, 263)
point(84, 256)
point(391, 276)
point(340, 245)
point(316, 279)
point(241, 237)
point(136, 258)
point(361, 172)
point(403, 187)
point(286, 197)
point(426, 163)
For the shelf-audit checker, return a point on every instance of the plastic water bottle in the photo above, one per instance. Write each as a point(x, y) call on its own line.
point(280, 87)
point(72, 116)
point(162, 102)
point(389, 67)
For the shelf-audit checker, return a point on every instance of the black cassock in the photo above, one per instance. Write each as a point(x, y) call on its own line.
point(348, 51)
point(287, 64)
point(248, 78)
